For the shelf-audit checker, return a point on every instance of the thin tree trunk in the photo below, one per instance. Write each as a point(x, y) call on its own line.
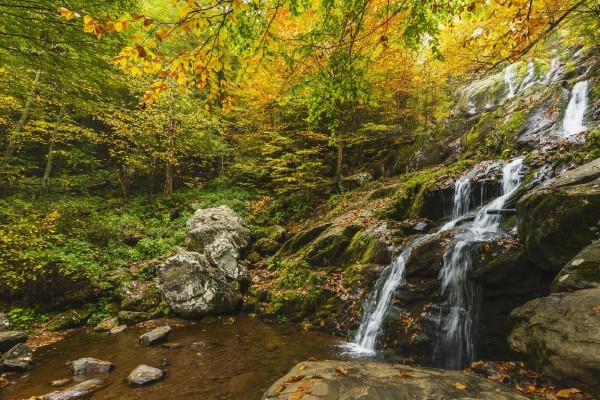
point(50, 159)
point(339, 164)
point(170, 159)
point(123, 181)
point(10, 148)
point(169, 179)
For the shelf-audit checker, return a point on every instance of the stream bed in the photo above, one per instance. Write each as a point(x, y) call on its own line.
point(235, 361)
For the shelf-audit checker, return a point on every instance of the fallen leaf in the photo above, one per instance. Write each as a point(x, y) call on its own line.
point(295, 378)
point(302, 367)
point(567, 393)
point(596, 308)
point(460, 386)
point(404, 374)
point(341, 370)
point(279, 389)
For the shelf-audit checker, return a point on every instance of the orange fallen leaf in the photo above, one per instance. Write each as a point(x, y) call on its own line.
point(279, 389)
point(596, 308)
point(341, 370)
point(567, 393)
point(404, 374)
point(296, 396)
point(302, 367)
point(460, 386)
point(294, 378)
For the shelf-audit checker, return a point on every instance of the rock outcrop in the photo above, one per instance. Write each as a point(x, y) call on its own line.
point(208, 277)
point(582, 272)
point(561, 217)
point(332, 380)
point(19, 358)
point(10, 338)
point(560, 336)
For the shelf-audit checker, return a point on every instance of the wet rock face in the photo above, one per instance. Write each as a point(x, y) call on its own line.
point(582, 272)
point(82, 390)
point(19, 358)
point(10, 338)
point(90, 366)
point(332, 380)
point(207, 277)
point(144, 375)
point(561, 217)
point(559, 335)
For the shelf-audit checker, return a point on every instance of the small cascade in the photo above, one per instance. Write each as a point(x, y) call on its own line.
point(456, 346)
point(509, 78)
point(553, 73)
point(529, 79)
point(575, 112)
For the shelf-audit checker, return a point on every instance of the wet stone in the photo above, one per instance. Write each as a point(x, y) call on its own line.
point(89, 366)
point(144, 375)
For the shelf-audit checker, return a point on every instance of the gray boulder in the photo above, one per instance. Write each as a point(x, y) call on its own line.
point(206, 277)
point(9, 339)
point(560, 336)
point(193, 287)
point(19, 358)
point(82, 390)
point(582, 272)
point(90, 366)
point(107, 324)
point(157, 335)
point(333, 380)
point(561, 217)
point(143, 375)
point(133, 317)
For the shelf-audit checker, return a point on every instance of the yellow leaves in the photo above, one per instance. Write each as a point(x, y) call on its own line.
point(151, 95)
point(341, 370)
point(596, 308)
point(460, 386)
point(67, 14)
point(91, 24)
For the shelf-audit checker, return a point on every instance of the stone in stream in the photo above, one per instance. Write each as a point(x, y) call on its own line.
point(10, 338)
point(89, 366)
point(82, 390)
point(560, 336)
point(107, 324)
point(60, 382)
point(133, 317)
point(18, 358)
point(143, 375)
point(118, 329)
point(332, 380)
point(157, 335)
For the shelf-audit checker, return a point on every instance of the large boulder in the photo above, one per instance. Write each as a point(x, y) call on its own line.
point(560, 336)
point(10, 338)
point(332, 380)
point(19, 358)
point(582, 272)
point(193, 287)
point(561, 217)
point(207, 277)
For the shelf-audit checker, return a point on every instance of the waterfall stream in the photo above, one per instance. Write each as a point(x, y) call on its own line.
point(509, 78)
point(575, 112)
point(457, 323)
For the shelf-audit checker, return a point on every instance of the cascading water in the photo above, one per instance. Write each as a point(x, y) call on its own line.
point(456, 346)
point(509, 78)
point(458, 322)
point(529, 79)
point(575, 112)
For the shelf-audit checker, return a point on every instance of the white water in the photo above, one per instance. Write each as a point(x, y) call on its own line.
point(529, 79)
point(509, 78)
point(573, 120)
point(554, 71)
point(453, 275)
point(456, 347)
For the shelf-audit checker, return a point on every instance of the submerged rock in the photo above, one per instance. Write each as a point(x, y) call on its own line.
point(560, 336)
point(118, 329)
point(89, 366)
point(61, 382)
point(582, 272)
point(82, 390)
point(157, 335)
point(332, 380)
point(10, 338)
point(19, 358)
point(561, 217)
point(144, 374)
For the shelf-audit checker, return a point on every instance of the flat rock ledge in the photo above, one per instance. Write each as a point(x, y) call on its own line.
point(345, 380)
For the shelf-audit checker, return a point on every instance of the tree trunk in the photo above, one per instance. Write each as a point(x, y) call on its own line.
point(49, 160)
point(339, 164)
point(10, 148)
point(123, 181)
point(169, 179)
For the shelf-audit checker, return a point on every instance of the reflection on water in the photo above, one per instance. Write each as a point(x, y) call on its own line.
point(238, 361)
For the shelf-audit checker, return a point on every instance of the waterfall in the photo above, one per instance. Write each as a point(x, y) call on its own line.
point(509, 77)
point(529, 79)
point(554, 71)
point(573, 120)
point(456, 345)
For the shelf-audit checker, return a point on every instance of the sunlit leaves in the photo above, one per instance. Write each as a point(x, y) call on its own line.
point(68, 14)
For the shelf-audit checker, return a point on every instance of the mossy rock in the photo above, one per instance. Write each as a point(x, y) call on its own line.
point(302, 238)
point(139, 295)
point(68, 319)
point(368, 247)
point(582, 272)
point(328, 248)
